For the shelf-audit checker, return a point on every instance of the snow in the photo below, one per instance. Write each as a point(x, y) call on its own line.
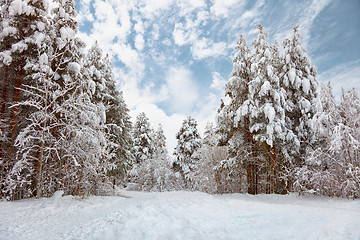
point(5, 57)
point(287, 58)
point(43, 59)
point(269, 112)
point(40, 26)
point(265, 88)
point(292, 76)
point(6, 31)
point(306, 85)
point(74, 67)
point(67, 33)
point(181, 215)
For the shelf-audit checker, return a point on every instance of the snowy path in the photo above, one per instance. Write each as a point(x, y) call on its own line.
point(181, 215)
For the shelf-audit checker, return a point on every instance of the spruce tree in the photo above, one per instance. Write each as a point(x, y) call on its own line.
point(160, 142)
point(143, 137)
point(187, 152)
point(298, 78)
point(233, 127)
point(333, 167)
point(23, 27)
point(102, 88)
point(267, 122)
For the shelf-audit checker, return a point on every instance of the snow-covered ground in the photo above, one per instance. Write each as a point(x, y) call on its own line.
point(181, 215)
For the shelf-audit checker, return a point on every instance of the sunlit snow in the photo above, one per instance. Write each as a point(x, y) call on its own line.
point(181, 215)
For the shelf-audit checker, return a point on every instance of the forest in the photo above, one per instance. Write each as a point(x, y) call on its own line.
point(65, 124)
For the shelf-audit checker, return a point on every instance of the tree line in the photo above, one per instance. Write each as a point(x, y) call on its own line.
point(65, 126)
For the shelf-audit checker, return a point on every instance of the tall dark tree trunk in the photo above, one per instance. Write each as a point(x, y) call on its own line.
point(15, 110)
point(3, 104)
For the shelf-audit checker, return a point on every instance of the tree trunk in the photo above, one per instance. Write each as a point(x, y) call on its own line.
point(38, 194)
point(15, 113)
point(3, 104)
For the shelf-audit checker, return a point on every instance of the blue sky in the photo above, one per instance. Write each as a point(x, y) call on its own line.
point(172, 57)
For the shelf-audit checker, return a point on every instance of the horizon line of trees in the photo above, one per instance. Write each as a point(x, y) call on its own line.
point(65, 126)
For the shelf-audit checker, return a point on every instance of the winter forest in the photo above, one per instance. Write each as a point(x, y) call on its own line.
point(65, 124)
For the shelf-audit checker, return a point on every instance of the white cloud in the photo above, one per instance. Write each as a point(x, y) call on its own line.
point(183, 35)
point(218, 82)
point(139, 42)
point(188, 6)
point(85, 13)
point(153, 8)
point(309, 15)
point(139, 27)
point(221, 8)
point(302, 14)
point(182, 88)
point(206, 48)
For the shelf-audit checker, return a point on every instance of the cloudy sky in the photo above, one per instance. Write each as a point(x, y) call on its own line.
point(172, 57)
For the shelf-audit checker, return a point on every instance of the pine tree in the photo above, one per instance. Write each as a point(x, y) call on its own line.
point(267, 122)
point(346, 144)
point(22, 25)
point(187, 152)
point(315, 174)
point(209, 138)
point(333, 168)
point(102, 88)
point(86, 159)
point(298, 78)
point(211, 156)
point(233, 127)
point(63, 146)
point(143, 139)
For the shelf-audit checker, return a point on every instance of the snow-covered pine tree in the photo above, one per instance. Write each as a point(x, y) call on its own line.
point(155, 174)
point(314, 175)
point(211, 156)
point(267, 122)
point(160, 141)
point(85, 156)
point(236, 133)
point(21, 26)
point(210, 137)
point(267, 114)
point(187, 151)
point(85, 145)
point(65, 139)
point(298, 78)
point(333, 168)
point(349, 150)
point(143, 139)
point(103, 90)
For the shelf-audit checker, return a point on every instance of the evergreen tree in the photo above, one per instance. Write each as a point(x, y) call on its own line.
point(102, 88)
point(187, 152)
point(298, 78)
point(143, 139)
point(267, 117)
point(211, 156)
point(155, 174)
point(23, 26)
point(63, 146)
point(261, 123)
point(235, 133)
point(332, 169)
point(209, 138)
point(160, 142)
